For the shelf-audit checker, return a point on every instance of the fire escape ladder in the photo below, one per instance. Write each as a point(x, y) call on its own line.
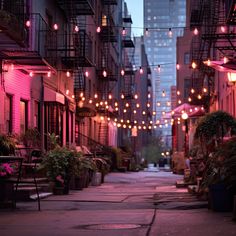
point(79, 82)
point(103, 133)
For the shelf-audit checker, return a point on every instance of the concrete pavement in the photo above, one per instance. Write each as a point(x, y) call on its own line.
point(138, 204)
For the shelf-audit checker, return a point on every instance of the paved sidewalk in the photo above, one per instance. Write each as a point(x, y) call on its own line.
point(137, 204)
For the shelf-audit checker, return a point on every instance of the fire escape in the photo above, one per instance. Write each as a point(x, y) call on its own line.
point(25, 38)
point(205, 17)
point(107, 68)
point(75, 48)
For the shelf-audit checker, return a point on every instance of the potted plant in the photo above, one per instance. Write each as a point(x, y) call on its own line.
point(60, 166)
point(220, 176)
point(83, 170)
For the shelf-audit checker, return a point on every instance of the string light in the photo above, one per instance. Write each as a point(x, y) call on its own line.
point(55, 26)
point(141, 70)
point(86, 74)
point(195, 31)
point(122, 72)
point(170, 33)
point(98, 29)
point(123, 31)
point(76, 28)
point(28, 23)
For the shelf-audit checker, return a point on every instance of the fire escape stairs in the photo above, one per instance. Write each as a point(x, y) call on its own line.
point(103, 133)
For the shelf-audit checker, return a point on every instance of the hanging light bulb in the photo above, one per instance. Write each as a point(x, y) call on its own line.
point(68, 74)
point(137, 105)
point(31, 74)
point(208, 62)
point(204, 90)
point(163, 93)
point(109, 96)
point(122, 72)
point(190, 99)
point(76, 28)
point(55, 26)
point(225, 59)
point(104, 73)
point(86, 74)
point(158, 104)
point(192, 90)
point(136, 96)
point(148, 104)
point(123, 31)
point(81, 94)
point(141, 70)
point(122, 96)
point(159, 68)
point(67, 92)
point(223, 29)
point(146, 32)
point(98, 29)
point(195, 32)
point(179, 101)
point(177, 66)
point(28, 23)
point(194, 65)
point(199, 96)
point(178, 92)
point(49, 74)
point(170, 33)
point(95, 95)
point(154, 113)
point(73, 96)
point(149, 95)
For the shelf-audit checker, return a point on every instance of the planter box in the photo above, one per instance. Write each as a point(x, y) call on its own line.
point(220, 198)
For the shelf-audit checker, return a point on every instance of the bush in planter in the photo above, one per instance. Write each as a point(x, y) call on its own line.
point(220, 176)
point(60, 166)
point(83, 170)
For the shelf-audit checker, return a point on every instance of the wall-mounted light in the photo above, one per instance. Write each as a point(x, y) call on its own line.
point(231, 78)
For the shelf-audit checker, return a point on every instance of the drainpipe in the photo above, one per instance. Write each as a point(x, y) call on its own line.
point(42, 125)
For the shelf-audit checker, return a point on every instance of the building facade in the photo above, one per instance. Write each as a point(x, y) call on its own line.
point(163, 23)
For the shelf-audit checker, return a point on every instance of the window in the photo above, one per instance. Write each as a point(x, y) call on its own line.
point(186, 58)
point(23, 116)
point(187, 86)
point(8, 113)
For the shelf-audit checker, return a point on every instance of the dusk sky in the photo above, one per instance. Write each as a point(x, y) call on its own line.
point(135, 8)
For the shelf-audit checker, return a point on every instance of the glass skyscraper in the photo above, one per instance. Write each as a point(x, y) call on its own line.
point(164, 21)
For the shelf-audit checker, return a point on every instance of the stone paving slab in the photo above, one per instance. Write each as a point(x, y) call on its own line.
point(200, 222)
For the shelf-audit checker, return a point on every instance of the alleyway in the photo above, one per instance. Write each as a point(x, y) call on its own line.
point(138, 204)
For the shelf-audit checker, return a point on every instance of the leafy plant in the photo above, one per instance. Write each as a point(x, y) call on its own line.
point(212, 128)
point(60, 163)
point(31, 138)
point(7, 145)
point(221, 166)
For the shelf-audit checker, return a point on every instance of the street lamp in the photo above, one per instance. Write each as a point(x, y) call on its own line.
point(184, 116)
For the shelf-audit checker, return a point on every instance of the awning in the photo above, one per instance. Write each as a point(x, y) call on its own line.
point(53, 96)
point(230, 66)
point(191, 110)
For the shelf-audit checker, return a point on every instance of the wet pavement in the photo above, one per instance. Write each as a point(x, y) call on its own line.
point(132, 203)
